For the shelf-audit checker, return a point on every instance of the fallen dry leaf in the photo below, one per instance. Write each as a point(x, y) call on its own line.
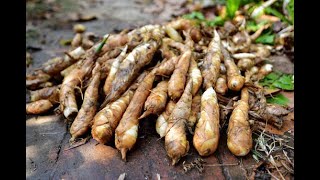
point(287, 125)
point(289, 117)
point(268, 91)
point(290, 96)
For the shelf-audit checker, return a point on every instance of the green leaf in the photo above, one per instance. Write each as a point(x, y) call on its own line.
point(266, 38)
point(194, 15)
point(218, 21)
point(283, 86)
point(104, 40)
point(278, 5)
point(273, 76)
point(252, 26)
point(278, 99)
point(232, 7)
point(244, 2)
point(252, 8)
point(274, 12)
point(278, 80)
point(284, 82)
point(290, 8)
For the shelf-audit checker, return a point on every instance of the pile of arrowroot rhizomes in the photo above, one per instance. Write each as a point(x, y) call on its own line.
point(192, 76)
